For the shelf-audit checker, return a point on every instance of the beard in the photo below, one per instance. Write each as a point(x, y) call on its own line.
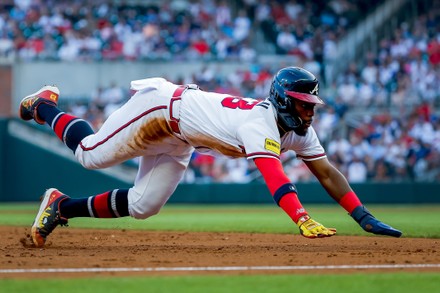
point(301, 130)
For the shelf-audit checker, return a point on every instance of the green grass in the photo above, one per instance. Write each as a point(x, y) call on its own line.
point(359, 283)
point(415, 221)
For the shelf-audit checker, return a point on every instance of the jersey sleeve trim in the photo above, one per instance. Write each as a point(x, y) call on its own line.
point(262, 155)
point(312, 158)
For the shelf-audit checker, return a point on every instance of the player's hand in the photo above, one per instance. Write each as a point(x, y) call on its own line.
point(372, 225)
point(311, 229)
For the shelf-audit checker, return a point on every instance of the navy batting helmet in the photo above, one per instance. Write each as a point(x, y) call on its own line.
point(292, 83)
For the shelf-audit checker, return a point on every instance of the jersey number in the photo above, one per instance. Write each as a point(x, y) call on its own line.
point(240, 103)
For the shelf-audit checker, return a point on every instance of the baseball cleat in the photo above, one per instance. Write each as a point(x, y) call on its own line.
point(48, 216)
point(372, 225)
point(28, 106)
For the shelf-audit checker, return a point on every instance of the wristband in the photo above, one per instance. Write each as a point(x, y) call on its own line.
point(282, 191)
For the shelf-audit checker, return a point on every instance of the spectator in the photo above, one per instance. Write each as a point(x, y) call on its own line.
point(381, 172)
point(357, 170)
point(372, 101)
point(286, 40)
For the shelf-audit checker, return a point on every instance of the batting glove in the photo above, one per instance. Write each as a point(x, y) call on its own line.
point(372, 225)
point(309, 228)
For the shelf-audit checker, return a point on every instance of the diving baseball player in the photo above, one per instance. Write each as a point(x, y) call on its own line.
point(164, 123)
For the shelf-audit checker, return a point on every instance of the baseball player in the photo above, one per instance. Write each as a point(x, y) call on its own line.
point(163, 123)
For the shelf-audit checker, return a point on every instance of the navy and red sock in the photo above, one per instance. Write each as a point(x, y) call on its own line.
point(110, 204)
point(69, 129)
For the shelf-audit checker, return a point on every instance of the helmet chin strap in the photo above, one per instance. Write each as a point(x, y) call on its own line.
point(287, 122)
point(288, 119)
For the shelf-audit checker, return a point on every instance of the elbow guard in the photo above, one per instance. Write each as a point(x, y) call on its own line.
point(282, 191)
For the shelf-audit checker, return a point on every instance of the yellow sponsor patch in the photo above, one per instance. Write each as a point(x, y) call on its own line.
point(272, 146)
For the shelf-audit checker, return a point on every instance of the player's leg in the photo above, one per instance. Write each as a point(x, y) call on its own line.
point(157, 179)
point(136, 129)
point(41, 106)
point(56, 208)
point(129, 132)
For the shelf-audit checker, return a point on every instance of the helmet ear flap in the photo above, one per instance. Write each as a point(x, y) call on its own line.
point(277, 94)
point(289, 106)
point(281, 101)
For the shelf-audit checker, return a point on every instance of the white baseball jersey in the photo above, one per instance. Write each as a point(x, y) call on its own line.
point(163, 123)
point(240, 127)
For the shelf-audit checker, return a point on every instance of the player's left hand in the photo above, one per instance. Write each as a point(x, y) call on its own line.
point(309, 228)
point(372, 225)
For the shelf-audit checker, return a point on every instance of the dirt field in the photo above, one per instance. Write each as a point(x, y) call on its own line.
point(99, 249)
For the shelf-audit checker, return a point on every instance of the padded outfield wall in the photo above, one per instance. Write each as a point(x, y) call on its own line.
point(28, 168)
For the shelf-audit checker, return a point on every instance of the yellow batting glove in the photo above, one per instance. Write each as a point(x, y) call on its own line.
point(309, 228)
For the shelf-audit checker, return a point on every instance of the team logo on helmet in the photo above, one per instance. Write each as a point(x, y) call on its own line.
point(315, 90)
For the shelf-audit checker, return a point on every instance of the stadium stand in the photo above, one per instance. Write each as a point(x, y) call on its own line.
point(382, 120)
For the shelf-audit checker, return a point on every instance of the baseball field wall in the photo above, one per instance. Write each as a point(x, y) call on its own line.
point(32, 161)
point(3, 137)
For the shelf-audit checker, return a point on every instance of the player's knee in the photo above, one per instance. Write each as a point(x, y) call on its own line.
point(146, 202)
point(91, 161)
point(144, 212)
point(87, 164)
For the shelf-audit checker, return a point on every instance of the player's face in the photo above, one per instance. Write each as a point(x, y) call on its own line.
point(305, 111)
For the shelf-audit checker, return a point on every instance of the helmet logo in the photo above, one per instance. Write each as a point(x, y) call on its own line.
point(315, 90)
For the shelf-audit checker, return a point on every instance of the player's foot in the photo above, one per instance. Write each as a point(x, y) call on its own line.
point(48, 216)
point(28, 106)
point(372, 225)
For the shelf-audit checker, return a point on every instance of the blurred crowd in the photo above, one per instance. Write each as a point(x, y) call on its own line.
point(184, 29)
point(381, 120)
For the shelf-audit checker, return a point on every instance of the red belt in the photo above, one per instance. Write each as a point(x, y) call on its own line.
point(177, 96)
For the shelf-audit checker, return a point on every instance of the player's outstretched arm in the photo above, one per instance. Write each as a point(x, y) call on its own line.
point(339, 189)
point(285, 195)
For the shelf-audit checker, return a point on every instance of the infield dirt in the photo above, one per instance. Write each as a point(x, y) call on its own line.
point(90, 248)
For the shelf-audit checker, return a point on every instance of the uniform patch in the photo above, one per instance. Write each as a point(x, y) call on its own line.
point(272, 146)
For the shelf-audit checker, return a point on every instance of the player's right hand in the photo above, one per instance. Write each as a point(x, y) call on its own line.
point(309, 228)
